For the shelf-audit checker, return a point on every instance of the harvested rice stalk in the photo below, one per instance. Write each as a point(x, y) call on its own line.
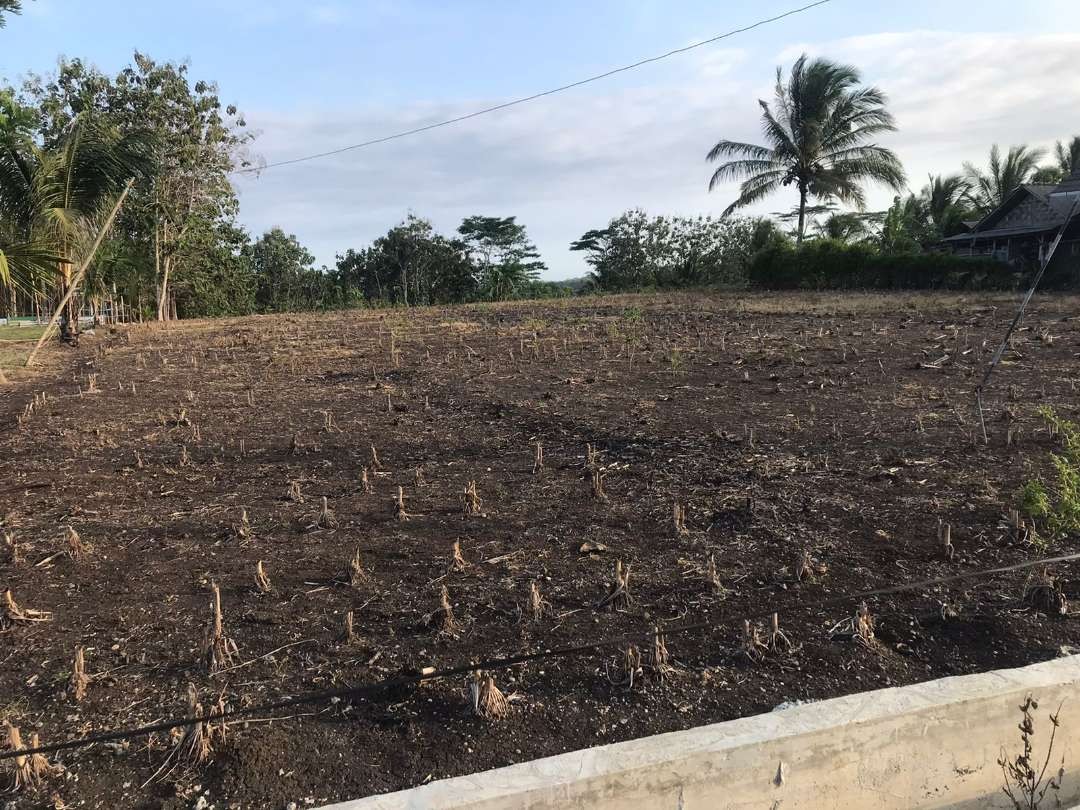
point(443, 619)
point(262, 581)
point(473, 505)
point(538, 605)
point(30, 770)
point(712, 577)
point(375, 465)
point(808, 569)
point(79, 680)
point(10, 612)
point(12, 554)
point(538, 459)
point(296, 445)
point(661, 659)
point(75, 548)
point(138, 460)
point(457, 561)
point(678, 515)
point(243, 530)
point(325, 519)
point(218, 649)
point(348, 632)
point(618, 595)
point(1043, 594)
point(627, 670)
point(419, 477)
point(864, 624)
point(399, 505)
point(752, 643)
point(355, 573)
point(488, 702)
point(778, 639)
point(598, 485)
point(294, 494)
point(365, 481)
point(196, 745)
point(328, 422)
point(185, 459)
point(592, 456)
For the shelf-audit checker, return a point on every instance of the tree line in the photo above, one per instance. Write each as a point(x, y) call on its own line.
point(77, 143)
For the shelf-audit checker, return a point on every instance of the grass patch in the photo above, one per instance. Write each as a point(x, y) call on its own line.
point(8, 332)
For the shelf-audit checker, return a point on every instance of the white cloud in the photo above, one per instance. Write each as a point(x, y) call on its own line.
point(570, 162)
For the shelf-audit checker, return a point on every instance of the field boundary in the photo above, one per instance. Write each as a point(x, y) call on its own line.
point(928, 745)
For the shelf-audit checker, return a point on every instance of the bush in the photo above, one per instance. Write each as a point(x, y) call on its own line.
point(829, 264)
point(1057, 506)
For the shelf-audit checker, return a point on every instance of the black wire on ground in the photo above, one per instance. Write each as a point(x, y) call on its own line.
point(431, 674)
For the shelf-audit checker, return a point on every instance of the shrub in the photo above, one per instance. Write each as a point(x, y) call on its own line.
point(1057, 505)
point(830, 264)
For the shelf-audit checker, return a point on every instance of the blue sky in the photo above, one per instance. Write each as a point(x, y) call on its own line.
point(318, 75)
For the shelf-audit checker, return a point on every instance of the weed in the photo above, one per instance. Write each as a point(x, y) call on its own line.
point(1057, 505)
point(1026, 783)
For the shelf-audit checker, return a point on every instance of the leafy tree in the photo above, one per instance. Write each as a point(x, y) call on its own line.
point(281, 266)
point(989, 189)
point(845, 226)
point(508, 261)
point(818, 132)
point(198, 143)
point(636, 251)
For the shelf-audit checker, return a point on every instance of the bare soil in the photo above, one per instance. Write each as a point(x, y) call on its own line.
point(838, 426)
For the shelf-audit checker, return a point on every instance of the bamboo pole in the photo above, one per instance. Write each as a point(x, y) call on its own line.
point(80, 273)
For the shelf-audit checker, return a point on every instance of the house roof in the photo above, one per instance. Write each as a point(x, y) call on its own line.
point(1001, 233)
point(1056, 208)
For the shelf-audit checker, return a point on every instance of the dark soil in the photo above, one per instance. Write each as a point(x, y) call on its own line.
point(847, 423)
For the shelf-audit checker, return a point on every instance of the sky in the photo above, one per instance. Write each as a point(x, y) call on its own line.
point(319, 75)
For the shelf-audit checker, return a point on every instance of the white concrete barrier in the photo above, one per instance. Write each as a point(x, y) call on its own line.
point(930, 745)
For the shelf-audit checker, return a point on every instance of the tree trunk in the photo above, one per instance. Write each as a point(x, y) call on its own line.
point(163, 293)
point(802, 214)
point(69, 318)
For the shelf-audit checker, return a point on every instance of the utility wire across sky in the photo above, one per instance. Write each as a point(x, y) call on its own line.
point(525, 99)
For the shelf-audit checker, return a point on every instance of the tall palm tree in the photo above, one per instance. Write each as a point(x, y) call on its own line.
point(54, 200)
point(818, 132)
point(990, 188)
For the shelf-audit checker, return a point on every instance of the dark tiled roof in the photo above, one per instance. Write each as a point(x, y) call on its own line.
point(1002, 233)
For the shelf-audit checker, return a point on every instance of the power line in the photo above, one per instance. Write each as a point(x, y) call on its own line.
point(534, 96)
point(431, 674)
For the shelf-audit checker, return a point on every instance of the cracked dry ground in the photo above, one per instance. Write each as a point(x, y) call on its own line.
point(846, 423)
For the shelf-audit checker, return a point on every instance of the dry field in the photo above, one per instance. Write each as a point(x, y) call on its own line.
point(815, 444)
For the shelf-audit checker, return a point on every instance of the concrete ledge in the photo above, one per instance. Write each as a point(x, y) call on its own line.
point(931, 745)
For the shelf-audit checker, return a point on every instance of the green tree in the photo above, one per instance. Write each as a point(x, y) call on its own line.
point(944, 203)
point(989, 189)
point(818, 132)
point(281, 266)
point(55, 199)
point(637, 251)
point(508, 262)
point(199, 141)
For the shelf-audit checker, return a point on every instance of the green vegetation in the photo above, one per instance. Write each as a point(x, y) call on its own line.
point(818, 130)
point(1055, 506)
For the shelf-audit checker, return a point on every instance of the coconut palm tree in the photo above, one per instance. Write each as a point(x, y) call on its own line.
point(818, 133)
point(52, 201)
point(990, 188)
point(943, 201)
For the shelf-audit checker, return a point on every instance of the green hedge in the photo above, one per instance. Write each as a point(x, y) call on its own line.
point(826, 264)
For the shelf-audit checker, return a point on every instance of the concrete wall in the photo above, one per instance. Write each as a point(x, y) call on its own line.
point(932, 745)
